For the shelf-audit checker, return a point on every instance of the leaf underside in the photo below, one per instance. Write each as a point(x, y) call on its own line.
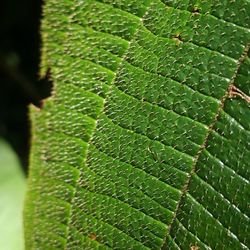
point(143, 144)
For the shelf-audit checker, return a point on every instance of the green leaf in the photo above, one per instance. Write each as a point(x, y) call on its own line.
point(12, 189)
point(144, 143)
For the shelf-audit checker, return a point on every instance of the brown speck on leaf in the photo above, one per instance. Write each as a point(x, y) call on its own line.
point(194, 248)
point(235, 92)
point(195, 10)
point(92, 236)
point(177, 38)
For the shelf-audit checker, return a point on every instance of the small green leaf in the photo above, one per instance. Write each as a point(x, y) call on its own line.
point(12, 188)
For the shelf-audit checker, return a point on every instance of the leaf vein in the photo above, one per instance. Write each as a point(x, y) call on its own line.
point(211, 128)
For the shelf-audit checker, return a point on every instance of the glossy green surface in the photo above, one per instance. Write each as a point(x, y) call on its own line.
point(141, 145)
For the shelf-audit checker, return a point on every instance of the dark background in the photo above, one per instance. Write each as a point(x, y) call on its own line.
point(20, 83)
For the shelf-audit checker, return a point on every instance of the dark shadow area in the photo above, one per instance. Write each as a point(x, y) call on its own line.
point(19, 71)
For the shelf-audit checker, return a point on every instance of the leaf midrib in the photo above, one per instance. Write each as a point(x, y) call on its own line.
point(94, 129)
point(204, 145)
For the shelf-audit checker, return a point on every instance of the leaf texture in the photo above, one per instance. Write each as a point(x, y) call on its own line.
point(144, 143)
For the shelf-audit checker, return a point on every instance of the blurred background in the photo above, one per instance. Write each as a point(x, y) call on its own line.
point(19, 71)
point(20, 86)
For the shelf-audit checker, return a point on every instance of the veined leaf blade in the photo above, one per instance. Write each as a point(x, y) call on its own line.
point(144, 143)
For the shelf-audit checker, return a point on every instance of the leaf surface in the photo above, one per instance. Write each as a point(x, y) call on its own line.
point(144, 143)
